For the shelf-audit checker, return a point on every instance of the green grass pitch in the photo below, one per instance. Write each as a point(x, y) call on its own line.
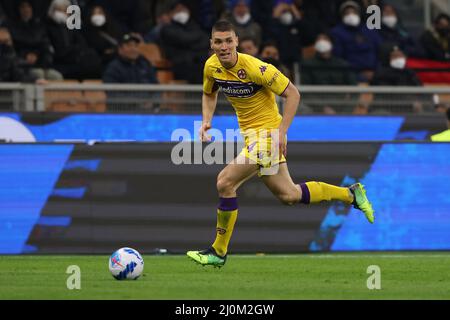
point(308, 276)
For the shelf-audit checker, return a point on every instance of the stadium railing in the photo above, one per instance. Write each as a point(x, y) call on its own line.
point(94, 96)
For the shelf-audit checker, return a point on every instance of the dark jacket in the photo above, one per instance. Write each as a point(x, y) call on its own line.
point(357, 45)
point(124, 71)
point(333, 71)
point(103, 40)
point(9, 68)
point(400, 38)
point(31, 37)
point(184, 43)
point(388, 76)
point(186, 46)
point(436, 48)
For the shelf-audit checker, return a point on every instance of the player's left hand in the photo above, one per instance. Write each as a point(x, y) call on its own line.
point(282, 144)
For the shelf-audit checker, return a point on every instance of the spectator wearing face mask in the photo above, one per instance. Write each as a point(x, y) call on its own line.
point(72, 56)
point(271, 54)
point(10, 71)
point(101, 33)
point(355, 43)
point(436, 41)
point(242, 20)
point(324, 68)
point(393, 34)
point(286, 27)
point(185, 44)
point(32, 44)
point(394, 73)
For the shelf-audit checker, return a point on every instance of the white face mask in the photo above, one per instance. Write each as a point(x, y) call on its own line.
point(389, 21)
point(243, 19)
point(352, 20)
point(286, 18)
point(181, 17)
point(323, 46)
point(59, 17)
point(398, 63)
point(98, 20)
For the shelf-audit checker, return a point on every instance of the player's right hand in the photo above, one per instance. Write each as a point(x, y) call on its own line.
point(202, 132)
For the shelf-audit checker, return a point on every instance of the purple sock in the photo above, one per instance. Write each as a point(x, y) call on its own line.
point(228, 204)
point(305, 193)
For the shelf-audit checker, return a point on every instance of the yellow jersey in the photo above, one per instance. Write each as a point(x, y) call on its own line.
point(441, 137)
point(250, 86)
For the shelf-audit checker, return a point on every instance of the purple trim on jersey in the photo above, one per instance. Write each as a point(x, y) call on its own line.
point(306, 197)
point(228, 204)
point(285, 88)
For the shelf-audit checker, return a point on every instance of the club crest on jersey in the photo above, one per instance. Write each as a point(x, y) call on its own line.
point(242, 74)
point(262, 69)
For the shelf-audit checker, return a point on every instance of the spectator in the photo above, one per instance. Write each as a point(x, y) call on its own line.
point(285, 27)
point(445, 135)
point(393, 34)
point(323, 11)
point(396, 74)
point(9, 67)
point(248, 46)
point(2, 16)
point(32, 43)
point(355, 43)
point(130, 67)
point(102, 34)
point(243, 22)
point(271, 54)
point(185, 44)
point(436, 41)
point(324, 68)
point(154, 35)
point(206, 12)
point(126, 13)
point(72, 57)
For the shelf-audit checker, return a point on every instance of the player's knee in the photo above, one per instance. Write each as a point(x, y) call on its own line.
point(288, 199)
point(224, 185)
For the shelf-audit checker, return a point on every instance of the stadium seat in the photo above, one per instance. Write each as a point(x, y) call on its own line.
point(65, 101)
point(96, 100)
point(153, 53)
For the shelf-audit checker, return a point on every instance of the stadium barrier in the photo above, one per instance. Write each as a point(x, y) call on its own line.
point(93, 96)
point(79, 198)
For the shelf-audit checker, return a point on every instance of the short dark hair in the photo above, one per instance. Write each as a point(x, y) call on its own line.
point(222, 26)
point(441, 16)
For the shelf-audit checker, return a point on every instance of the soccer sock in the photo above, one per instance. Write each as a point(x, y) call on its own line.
point(315, 192)
point(226, 218)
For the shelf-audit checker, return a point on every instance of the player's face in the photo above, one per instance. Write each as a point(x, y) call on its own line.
point(224, 44)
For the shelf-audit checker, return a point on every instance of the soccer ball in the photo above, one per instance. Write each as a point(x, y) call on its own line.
point(126, 263)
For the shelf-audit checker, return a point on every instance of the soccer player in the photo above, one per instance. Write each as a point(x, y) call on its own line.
point(250, 85)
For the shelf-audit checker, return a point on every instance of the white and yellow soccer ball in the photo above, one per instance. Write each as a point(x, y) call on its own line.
point(126, 263)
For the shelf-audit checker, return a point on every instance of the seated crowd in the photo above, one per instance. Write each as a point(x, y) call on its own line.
point(328, 40)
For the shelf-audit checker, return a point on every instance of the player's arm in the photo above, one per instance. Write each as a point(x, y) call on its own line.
point(292, 97)
point(291, 103)
point(209, 102)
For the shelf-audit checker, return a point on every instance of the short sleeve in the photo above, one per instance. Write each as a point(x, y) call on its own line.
point(208, 81)
point(273, 79)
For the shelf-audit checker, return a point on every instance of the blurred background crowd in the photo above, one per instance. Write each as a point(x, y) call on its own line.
point(313, 42)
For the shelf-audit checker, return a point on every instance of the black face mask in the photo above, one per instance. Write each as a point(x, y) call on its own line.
point(6, 50)
point(276, 63)
point(443, 32)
